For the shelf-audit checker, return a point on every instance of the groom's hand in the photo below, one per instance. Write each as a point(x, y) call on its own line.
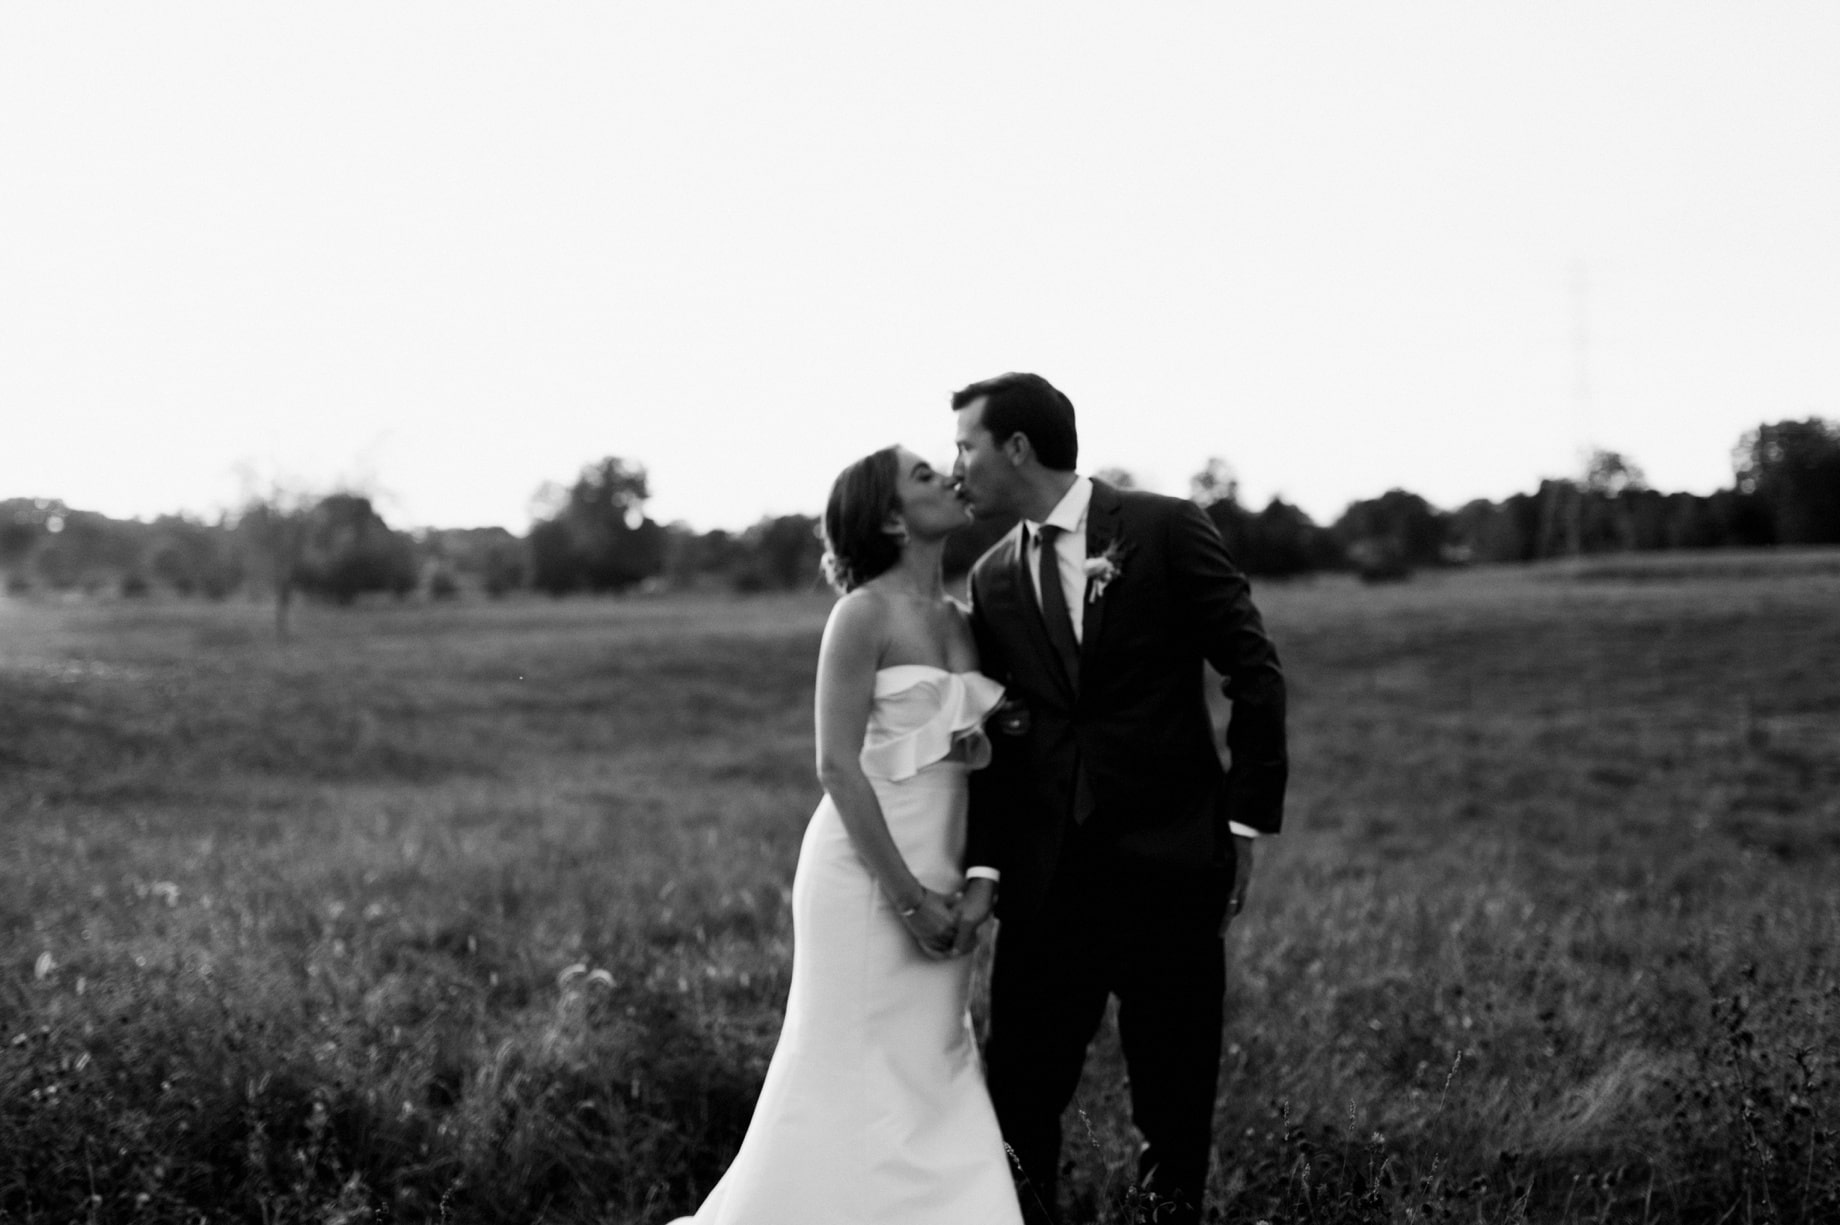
point(934, 925)
point(1242, 880)
point(975, 903)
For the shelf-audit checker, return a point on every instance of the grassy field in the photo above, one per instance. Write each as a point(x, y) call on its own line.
point(478, 912)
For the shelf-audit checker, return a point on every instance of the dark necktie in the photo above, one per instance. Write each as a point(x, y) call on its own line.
point(1054, 604)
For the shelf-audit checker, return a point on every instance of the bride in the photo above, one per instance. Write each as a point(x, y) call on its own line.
point(874, 1110)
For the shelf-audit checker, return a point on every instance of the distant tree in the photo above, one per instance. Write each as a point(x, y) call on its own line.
point(1739, 519)
point(1647, 517)
point(193, 557)
point(693, 558)
point(1285, 541)
point(555, 565)
point(503, 566)
point(1216, 490)
point(1610, 474)
point(24, 523)
point(1793, 469)
point(1118, 478)
point(1604, 508)
point(1278, 541)
point(1788, 490)
point(1487, 532)
point(68, 549)
point(491, 557)
point(1214, 483)
point(1561, 518)
point(81, 549)
point(780, 554)
point(1394, 533)
point(349, 550)
point(595, 536)
point(1694, 523)
point(272, 529)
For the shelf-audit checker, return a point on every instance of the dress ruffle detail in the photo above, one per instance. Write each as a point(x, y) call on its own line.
point(920, 713)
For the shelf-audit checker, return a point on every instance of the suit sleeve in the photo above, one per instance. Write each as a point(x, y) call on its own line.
point(1233, 639)
point(985, 827)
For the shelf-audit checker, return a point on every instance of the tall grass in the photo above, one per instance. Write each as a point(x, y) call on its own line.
point(479, 913)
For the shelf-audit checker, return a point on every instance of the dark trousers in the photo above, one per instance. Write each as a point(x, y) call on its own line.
point(1155, 945)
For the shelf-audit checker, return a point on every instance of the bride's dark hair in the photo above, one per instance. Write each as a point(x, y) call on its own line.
point(857, 546)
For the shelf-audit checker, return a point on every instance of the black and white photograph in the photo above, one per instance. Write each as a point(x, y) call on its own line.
point(821, 613)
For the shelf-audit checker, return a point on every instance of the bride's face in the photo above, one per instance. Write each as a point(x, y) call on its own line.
point(930, 505)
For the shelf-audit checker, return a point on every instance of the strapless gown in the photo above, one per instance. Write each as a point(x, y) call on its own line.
point(874, 1110)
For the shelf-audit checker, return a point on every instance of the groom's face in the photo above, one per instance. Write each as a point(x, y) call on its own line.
point(986, 477)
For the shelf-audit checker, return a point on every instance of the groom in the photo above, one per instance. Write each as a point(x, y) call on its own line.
point(1119, 846)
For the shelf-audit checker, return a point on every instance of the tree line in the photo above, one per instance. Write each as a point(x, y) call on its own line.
point(594, 535)
point(1785, 491)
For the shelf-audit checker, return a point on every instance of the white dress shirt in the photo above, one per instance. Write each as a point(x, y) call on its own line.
point(1069, 514)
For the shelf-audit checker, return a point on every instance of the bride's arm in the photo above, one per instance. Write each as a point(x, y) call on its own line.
point(978, 900)
point(847, 662)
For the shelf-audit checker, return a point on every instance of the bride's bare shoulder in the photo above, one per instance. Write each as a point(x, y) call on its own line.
point(860, 604)
point(859, 617)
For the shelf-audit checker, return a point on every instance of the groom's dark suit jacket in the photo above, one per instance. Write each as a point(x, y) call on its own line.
point(1128, 754)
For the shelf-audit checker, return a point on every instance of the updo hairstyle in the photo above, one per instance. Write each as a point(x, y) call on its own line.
point(857, 546)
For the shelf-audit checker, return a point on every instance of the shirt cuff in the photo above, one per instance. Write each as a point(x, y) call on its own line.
point(1241, 831)
point(989, 874)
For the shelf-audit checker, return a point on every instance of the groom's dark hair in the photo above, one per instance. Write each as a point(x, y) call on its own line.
point(1027, 404)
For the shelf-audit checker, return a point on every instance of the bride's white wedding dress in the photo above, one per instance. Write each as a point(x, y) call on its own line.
point(874, 1110)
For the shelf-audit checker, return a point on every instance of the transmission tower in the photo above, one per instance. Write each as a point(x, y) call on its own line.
point(1581, 392)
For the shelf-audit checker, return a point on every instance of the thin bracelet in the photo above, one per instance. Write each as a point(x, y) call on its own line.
point(913, 910)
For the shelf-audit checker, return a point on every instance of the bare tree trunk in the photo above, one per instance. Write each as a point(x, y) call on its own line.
point(274, 528)
point(284, 597)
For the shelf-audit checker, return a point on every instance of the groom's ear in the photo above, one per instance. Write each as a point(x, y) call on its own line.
point(1017, 449)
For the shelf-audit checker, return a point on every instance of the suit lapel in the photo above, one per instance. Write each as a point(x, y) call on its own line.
point(1102, 528)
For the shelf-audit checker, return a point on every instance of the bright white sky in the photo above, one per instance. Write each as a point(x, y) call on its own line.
point(449, 251)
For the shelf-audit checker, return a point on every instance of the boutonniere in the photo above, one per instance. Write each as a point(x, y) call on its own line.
point(1101, 570)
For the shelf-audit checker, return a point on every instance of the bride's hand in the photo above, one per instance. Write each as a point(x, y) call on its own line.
point(934, 924)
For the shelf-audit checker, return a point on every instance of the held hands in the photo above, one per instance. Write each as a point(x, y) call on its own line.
point(933, 923)
point(975, 904)
point(946, 927)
